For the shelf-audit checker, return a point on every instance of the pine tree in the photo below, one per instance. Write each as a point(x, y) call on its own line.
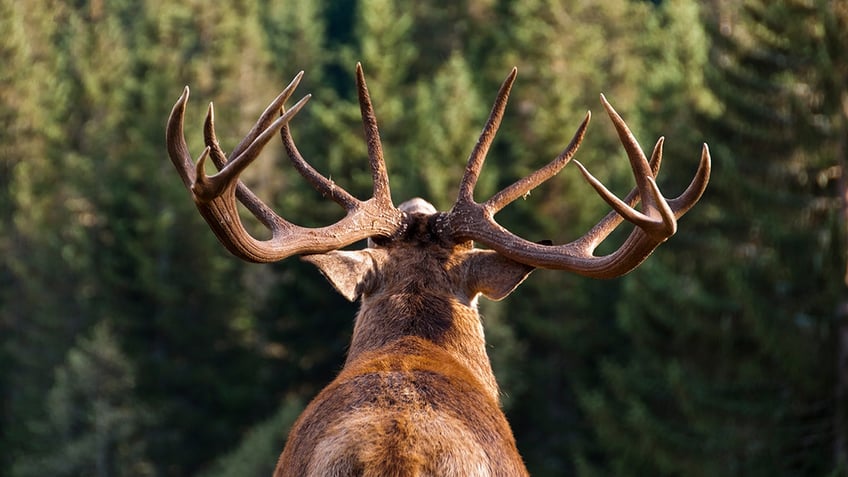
point(95, 423)
point(20, 117)
point(446, 119)
point(50, 218)
point(110, 276)
point(257, 454)
point(186, 311)
point(726, 369)
point(95, 212)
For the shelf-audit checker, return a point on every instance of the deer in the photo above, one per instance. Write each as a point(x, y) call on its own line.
point(416, 395)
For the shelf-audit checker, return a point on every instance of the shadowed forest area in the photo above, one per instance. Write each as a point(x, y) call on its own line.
point(133, 344)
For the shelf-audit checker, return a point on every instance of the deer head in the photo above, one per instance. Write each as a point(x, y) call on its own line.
point(417, 395)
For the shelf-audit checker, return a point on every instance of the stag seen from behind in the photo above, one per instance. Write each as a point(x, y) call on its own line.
point(416, 395)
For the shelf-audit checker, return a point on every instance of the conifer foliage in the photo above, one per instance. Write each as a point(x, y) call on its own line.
point(132, 344)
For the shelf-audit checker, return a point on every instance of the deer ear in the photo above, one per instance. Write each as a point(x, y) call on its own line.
point(347, 271)
point(492, 274)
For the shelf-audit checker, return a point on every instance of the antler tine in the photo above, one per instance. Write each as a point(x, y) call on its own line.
point(268, 116)
point(613, 219)
point(175, 140)
point(216, 196)
point(372, 137)
point(638, 161)
point(265, 214)
point(693, 193)
point(523, 186)
point(322, 184)
point(658, 216)
point(265, 119)
point(679, 205)
point(660, 227)
point(208, 187)
point(478, 154)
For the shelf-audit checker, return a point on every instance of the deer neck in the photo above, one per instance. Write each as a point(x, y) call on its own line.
point(452, 323)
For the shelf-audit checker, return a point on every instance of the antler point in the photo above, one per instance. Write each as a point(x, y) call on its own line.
point(201, 163)
point(608, 106)
point(183, 96)
point(581, 130)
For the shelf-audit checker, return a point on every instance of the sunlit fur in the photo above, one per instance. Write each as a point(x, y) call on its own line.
point(417, 396)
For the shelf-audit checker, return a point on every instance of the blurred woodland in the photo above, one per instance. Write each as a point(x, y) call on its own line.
point(133, 344)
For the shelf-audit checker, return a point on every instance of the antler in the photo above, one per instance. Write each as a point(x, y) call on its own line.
point(215, 196)
point(655, 223)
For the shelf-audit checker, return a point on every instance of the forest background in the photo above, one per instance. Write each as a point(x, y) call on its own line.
point(132, 344)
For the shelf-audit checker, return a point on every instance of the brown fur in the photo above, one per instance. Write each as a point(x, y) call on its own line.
point(417, 396)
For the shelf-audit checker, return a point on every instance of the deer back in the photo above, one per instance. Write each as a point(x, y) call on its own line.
point(417, 395)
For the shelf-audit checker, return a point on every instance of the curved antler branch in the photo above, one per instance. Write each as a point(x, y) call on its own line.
point(522, 186)
point(372, 138)
point(375, 154)
point(655, 222)
point(478, 154)
point(216, 196)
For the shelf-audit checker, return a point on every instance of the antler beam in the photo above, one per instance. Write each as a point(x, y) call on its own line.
point(655, 222)
point(216, 196)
